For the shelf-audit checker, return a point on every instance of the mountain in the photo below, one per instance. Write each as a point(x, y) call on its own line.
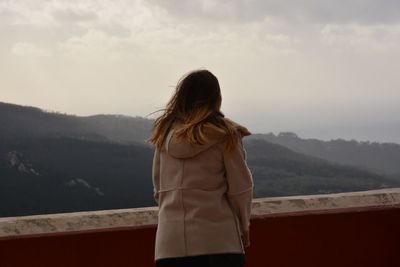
point(26, 121)
point(279, 171)
point(382, 158)
point(52, 162)
point(43, 175)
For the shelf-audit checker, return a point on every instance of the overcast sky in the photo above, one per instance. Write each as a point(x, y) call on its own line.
point(323, 69)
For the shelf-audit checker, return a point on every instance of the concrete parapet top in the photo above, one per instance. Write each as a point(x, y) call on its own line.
point(146, 216)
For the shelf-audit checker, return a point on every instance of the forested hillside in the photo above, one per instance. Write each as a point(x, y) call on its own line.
point(52, 162)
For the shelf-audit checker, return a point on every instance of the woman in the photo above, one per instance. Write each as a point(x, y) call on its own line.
point(202, 183)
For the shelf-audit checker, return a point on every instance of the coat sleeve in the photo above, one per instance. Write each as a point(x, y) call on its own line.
point(156, 174)
point(240, 183)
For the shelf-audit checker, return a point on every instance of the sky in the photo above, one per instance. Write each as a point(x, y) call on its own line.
point(322, 69)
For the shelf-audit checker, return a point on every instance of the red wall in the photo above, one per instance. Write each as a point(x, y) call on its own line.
point(346, 237)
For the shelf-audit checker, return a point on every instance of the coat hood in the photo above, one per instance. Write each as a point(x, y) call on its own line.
point(179, 148)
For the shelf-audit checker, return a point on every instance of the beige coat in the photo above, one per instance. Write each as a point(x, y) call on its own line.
point(204, 195)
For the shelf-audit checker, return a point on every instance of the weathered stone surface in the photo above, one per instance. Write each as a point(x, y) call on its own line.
point(92, 220)
point(371, 198)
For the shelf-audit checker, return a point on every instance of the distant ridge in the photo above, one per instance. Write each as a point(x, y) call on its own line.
point(52, 162)
point(383, 158)
point(16, 120)
point(281, 171)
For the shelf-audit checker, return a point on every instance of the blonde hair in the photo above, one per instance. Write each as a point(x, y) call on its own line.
point(195, 104)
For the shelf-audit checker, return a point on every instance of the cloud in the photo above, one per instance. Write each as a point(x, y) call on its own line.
point(28, 49)
point(73, 14)
point(25, 13)
point(217, 28)
point(362, 38)
point(339, 11)
point(97, 44)
point(174, 41)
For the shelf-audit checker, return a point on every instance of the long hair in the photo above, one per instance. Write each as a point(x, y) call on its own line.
point(195, 103)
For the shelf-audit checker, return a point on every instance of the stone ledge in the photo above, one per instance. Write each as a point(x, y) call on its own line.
point(370, 198)
point(136, 217)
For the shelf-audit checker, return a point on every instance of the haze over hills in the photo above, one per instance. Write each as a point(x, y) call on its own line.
point(52, 162)
point(22, 121)
point(279, 171)
point(17, 120)
point(382, 158)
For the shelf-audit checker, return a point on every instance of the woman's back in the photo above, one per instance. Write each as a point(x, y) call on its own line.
point(204, 194)
point(201, 180)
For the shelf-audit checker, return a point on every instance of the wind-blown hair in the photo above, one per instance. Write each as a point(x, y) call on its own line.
point(195, 104)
